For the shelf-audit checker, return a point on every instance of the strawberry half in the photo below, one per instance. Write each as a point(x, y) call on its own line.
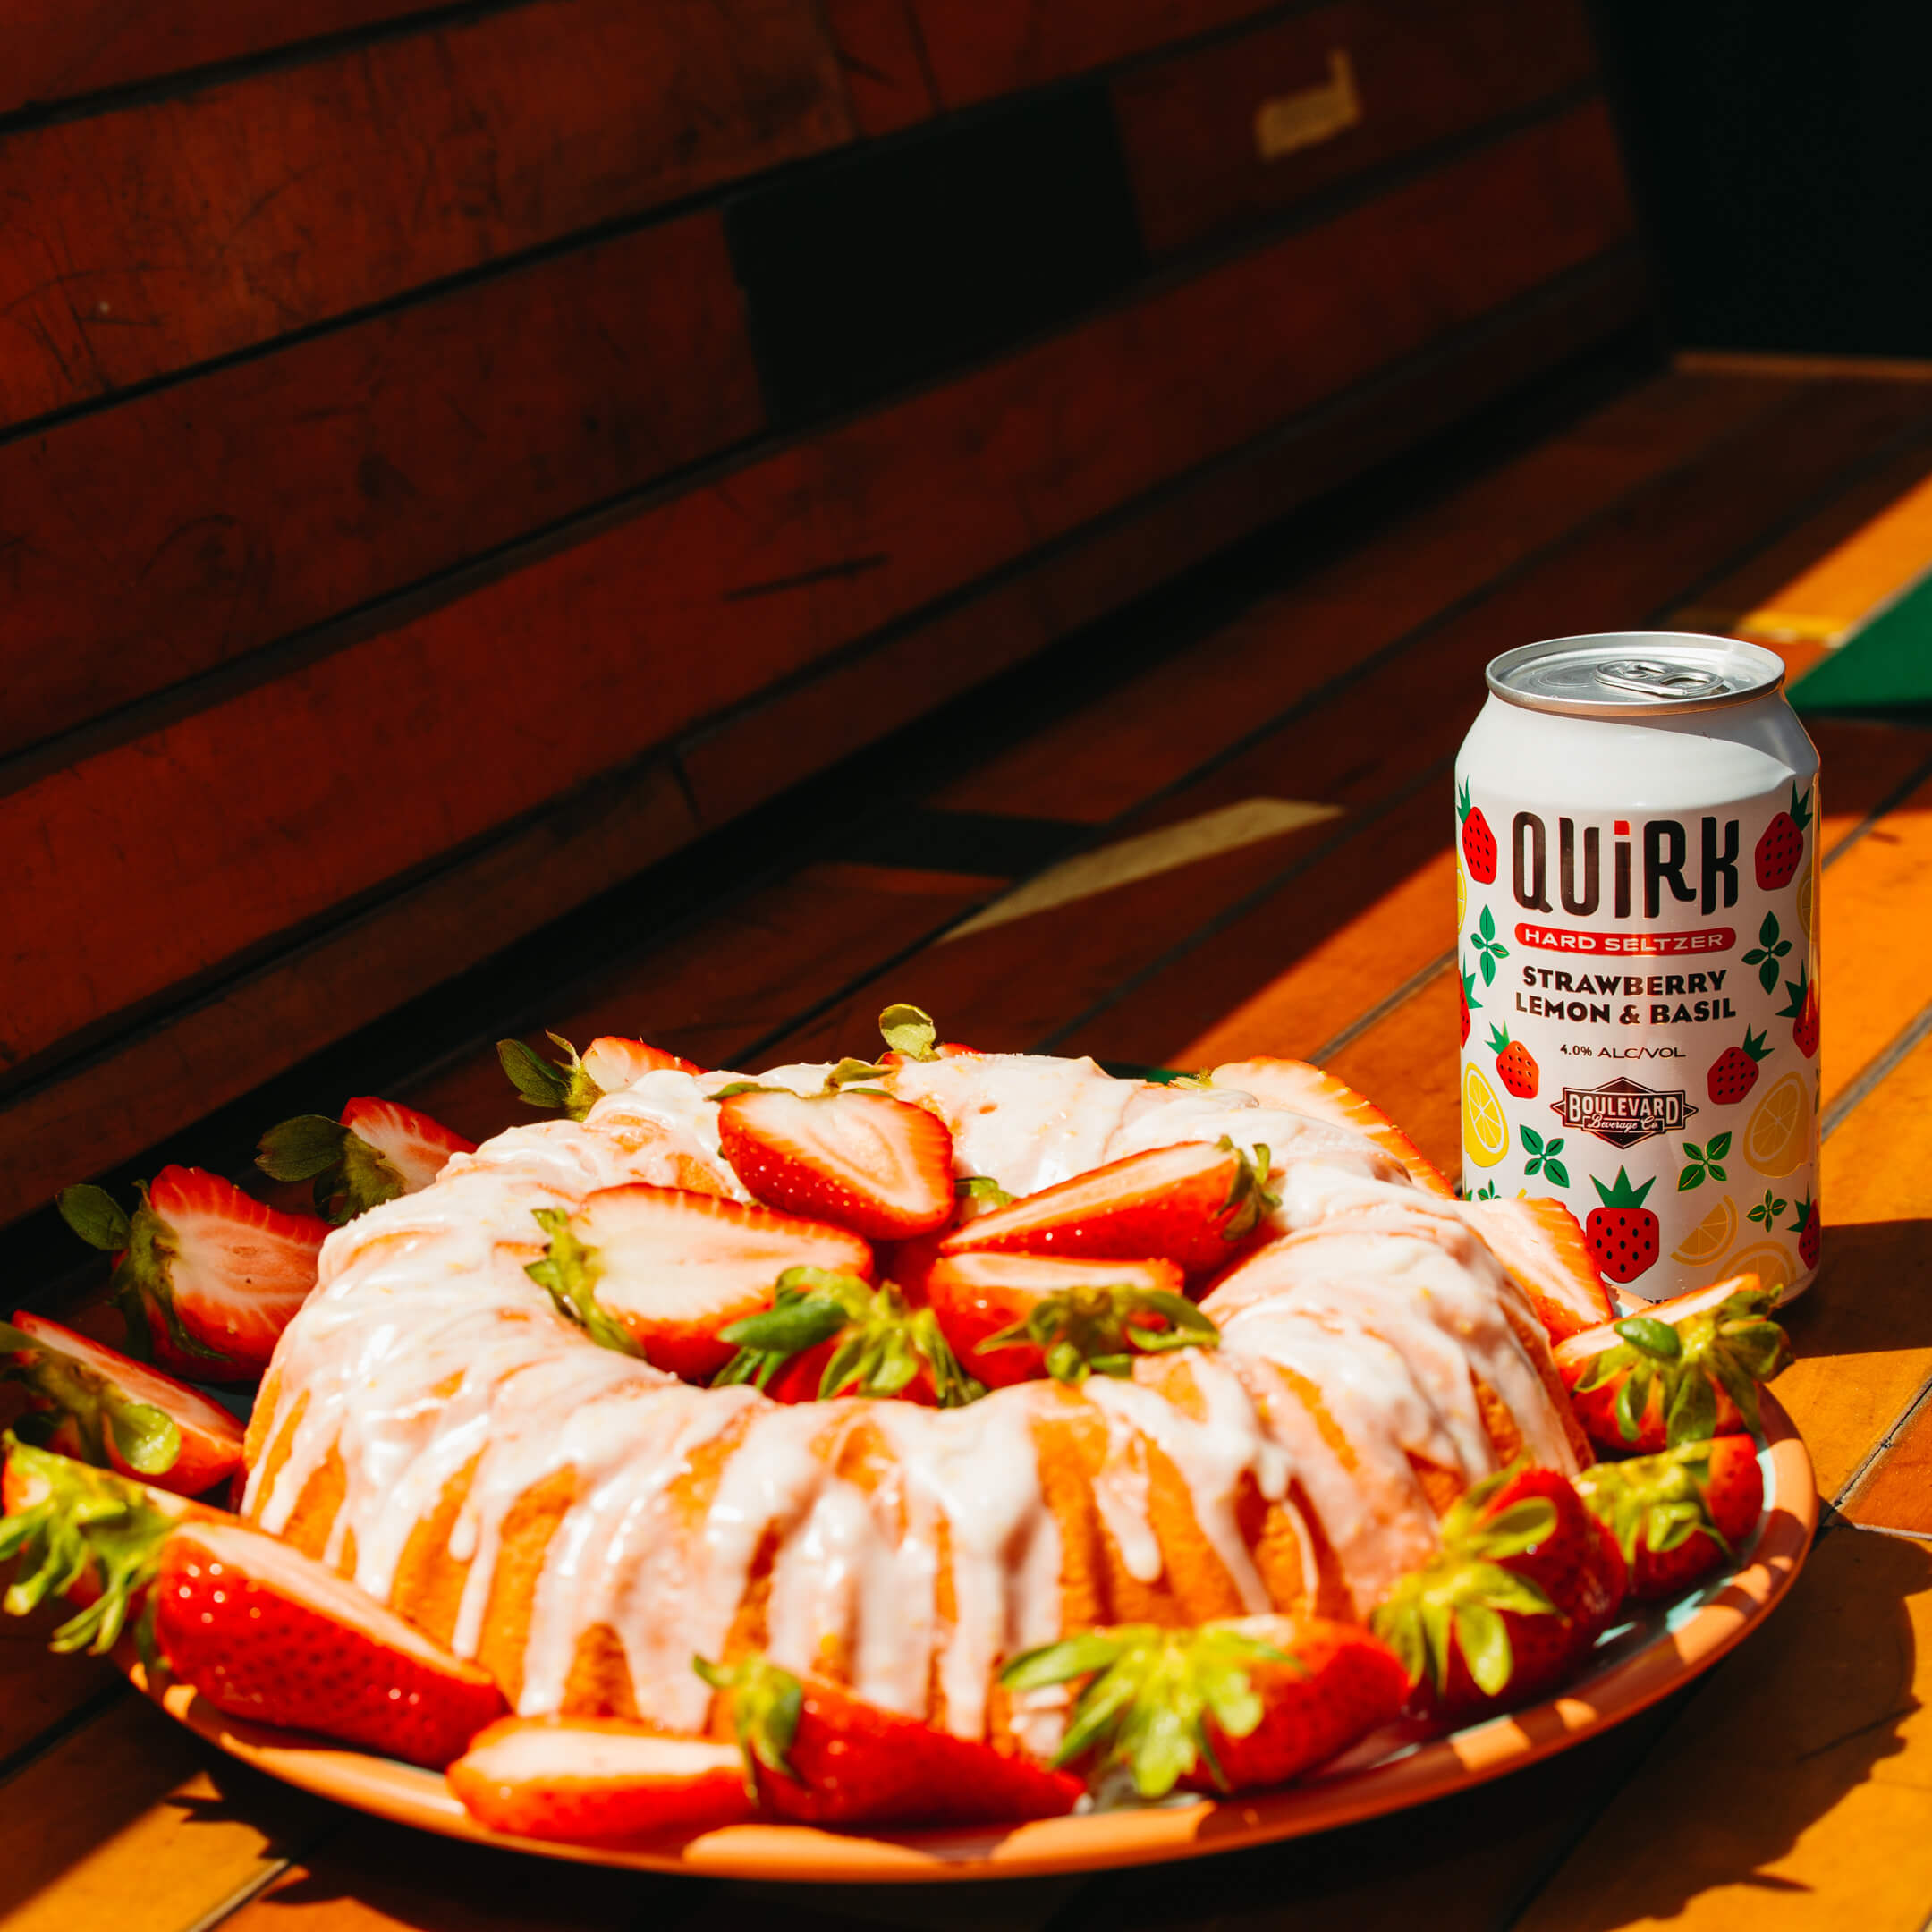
point(1524, 1584)
point(206, 1276)
point(1677, 1515)
point(880, 1167)
point(263, 1631)
point(573, 1086)
point(93, 1403)
point(817, 1755)
point(662, 1272)
point(597, 1778)
point(1188, 1204)
point(828, 1335)
point(1684, 1370)
point(1014, 1317)
point(377, 1151)
point(1226, 1707)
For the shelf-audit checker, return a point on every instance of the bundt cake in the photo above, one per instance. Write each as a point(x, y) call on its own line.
point(440, 1424)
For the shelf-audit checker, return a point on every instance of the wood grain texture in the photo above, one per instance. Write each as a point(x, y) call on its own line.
point(147, 543)
point(120, 1824)
point(884, 62)
point(228, 820)
point(1154, 728)
point(1000, 46)
point(1897, 1495)
point(57, 49)
point(163, 234)
point(1790, 1791)
point(267, 1019)
point(1423, 72)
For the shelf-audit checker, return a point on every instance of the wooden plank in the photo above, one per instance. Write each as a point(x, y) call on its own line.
point(1791, 1793)
point(999, 46)
point(71, 48)
point(1197, 142)
point(295, 195)
point(161, 1080)
point(1154, 728)
point(122, 1825)
point(203, 815)
point(884, 63)
point(266, 1020)
point(1897, 1495)
point(743, 971)
point(39, 1691)
point(1110, 755)
point(211, 517)
point(374, 1877)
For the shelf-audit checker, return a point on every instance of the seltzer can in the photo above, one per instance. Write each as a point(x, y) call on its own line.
point(1637, 941)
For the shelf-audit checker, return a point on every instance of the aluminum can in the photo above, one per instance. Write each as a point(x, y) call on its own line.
point(1637, 941)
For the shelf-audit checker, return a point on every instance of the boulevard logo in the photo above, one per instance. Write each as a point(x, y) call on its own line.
point(1623, 1113)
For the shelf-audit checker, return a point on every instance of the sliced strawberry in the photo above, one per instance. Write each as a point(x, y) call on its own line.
point(87, 1534)
point(820, 1756)
point(1312, 1091)
point(1188, 1204)
point(1014, 1318)
point(1229, 1706)
point(1677, 1515)
point(661, 1272)
point(1684, 1370)
point(206, 1276)
point(613, 1064)
point(1524, 1582)
point(102, 1407)
point(377, 1151)
point(879, 1166)
point(828, 1335)
point(263, 1631)
point(591, 1779)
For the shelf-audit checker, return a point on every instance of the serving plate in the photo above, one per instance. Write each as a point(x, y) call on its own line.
point(1633, 1666)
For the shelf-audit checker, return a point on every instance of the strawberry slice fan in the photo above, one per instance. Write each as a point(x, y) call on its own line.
point(1012, 1413)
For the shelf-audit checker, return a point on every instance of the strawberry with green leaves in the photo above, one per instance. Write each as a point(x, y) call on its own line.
point(817, 1754)
point(259, 1629)
point(1226, 1707)
point(1805, 1226)
point(663, 1272)
point(1515, 1064)
point(1684, 1370)
point(377, 1151)
point(1677, 1515)
point(1192, 1204)
point(573, 1086)
point(1735, 1072)
point(828, 1335)
point(1478, 842)
point(97, 1405)
point(207, 1276)
point(1014, 1317)
point(1781, 845)
point(1802, 1009)
point(1523, 1583)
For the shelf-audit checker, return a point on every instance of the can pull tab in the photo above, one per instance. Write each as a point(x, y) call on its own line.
point(1651, 677)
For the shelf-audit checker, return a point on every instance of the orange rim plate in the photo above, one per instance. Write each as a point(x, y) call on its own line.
point(1634, 1667)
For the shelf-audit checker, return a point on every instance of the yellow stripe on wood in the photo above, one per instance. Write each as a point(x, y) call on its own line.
point(1849, 585)
point(1152, 853)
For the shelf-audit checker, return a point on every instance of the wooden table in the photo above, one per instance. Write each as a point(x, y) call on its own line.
point(1337, 667)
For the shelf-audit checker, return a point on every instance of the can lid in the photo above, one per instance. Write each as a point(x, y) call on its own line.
point(1619, 672)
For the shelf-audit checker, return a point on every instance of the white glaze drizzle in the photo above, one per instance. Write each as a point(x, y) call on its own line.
point(426, 1352)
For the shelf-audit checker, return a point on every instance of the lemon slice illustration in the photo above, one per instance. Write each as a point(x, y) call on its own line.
point(1778, 1136)
point(1461, 895)
point(1485, 1131)
point(1711, 1236)
point(1770, 1261)
point(1805, 905)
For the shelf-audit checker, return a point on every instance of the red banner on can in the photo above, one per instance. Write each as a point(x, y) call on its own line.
point(1625, 945)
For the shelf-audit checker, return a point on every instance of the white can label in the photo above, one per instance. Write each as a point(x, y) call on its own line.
point(1640, 1029)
